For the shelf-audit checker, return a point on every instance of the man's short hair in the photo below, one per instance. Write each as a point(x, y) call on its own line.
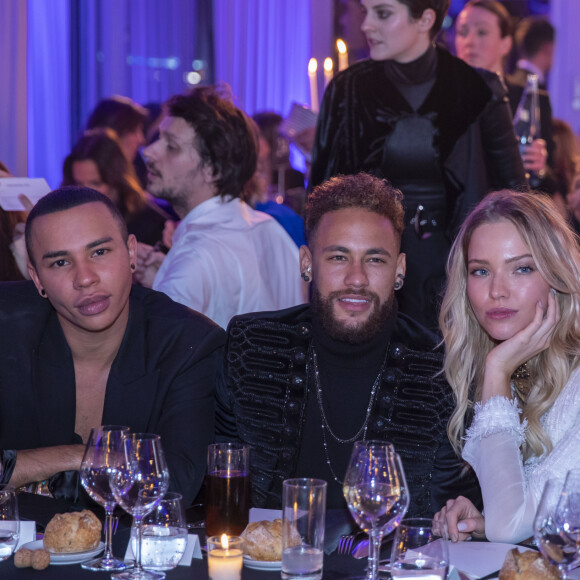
point(67, 198)
point(355, 191)
point(224, 138)
point(533, 33)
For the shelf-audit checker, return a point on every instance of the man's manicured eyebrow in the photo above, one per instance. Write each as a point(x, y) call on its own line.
point(63, 253)
point(56, 254)
point(99, 242)
point(344, 250)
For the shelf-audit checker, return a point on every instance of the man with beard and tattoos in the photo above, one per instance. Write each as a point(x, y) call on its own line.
point(302, 384)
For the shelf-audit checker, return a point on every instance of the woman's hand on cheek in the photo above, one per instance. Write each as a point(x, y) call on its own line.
point(507, 356)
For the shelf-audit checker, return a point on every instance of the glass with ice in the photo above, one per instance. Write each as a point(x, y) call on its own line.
point(420, 550)
point(164, 534)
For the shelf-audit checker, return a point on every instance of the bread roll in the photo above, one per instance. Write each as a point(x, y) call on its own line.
point(263, 540)
point(23, 558)
point(73, 532)
point(527, 565)
point(40, 559)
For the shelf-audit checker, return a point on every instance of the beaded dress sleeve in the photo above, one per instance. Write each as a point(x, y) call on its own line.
point(512, 489)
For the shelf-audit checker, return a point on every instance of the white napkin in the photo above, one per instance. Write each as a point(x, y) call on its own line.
point(479, 558)
point(259, 515)
point(27, 534)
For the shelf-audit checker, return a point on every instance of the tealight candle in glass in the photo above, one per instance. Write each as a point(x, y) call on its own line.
point(225, 557)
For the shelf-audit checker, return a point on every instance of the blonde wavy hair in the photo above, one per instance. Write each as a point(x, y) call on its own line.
point(554, 248)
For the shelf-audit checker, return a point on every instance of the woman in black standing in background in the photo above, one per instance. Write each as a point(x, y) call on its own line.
point(427, 122)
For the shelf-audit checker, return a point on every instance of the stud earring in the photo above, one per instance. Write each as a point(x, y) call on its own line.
point(43, 293)
point(398, 285)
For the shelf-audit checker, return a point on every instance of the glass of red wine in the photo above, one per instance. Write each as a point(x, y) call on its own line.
point(227, 489)
point(103, 454)
point(139, 484)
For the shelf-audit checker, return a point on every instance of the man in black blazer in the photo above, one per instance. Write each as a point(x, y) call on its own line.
point(82, 347)
point(302, 384)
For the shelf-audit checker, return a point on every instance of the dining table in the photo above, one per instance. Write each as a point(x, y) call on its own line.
point(41, 509)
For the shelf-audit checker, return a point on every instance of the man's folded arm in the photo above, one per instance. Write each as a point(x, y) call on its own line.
point(39, 464)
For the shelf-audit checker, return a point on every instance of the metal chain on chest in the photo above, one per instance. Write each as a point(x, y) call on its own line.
point(325, 426)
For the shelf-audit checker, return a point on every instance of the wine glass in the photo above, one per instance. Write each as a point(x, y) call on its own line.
point(548, 529)
point(103, 454)
point(373, 486)
point(139, 484)
point(401, 504)
point(9, 522)
point(568, 514)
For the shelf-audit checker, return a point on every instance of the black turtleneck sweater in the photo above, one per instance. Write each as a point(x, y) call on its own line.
point(347, 373)
point(414, 79)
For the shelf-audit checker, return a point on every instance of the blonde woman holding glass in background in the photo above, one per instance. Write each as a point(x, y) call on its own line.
point(510, 321)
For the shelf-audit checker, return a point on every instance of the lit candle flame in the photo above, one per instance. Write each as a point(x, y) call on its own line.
point(312, 65)
point(225, 542)
point(328, 64)
point(342, 55)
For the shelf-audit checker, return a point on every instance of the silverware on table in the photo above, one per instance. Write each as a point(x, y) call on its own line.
point(347, 542)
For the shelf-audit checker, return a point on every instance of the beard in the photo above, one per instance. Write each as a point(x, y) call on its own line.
point(323, 308)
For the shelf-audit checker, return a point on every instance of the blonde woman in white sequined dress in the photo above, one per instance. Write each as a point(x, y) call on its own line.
point(511, 323)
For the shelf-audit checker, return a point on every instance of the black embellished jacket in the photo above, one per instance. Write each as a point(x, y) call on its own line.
point(262, 401)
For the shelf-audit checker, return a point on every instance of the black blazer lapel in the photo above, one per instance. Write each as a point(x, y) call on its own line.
point(132, 387)
point(53, 385)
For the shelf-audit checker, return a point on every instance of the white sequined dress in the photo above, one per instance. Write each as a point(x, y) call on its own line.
point(511, 488)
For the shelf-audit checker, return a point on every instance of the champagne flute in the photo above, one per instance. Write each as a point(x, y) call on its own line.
point(103, 454)
point(548, 529)
point(373, 486)
point(139, 484)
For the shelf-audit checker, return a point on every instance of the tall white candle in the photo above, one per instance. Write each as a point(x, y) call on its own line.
point(312, 68)
point(342, 54)
point(327, 71)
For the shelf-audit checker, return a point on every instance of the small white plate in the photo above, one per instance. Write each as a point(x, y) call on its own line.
point(249, 562)
point(61, 559)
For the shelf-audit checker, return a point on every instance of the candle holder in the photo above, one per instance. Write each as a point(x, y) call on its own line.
point(225, 557)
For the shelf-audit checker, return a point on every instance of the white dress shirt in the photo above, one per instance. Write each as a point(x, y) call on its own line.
point(229, 259)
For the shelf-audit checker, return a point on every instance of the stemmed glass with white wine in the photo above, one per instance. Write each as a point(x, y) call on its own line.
point(139, 484)
point(376, 493)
